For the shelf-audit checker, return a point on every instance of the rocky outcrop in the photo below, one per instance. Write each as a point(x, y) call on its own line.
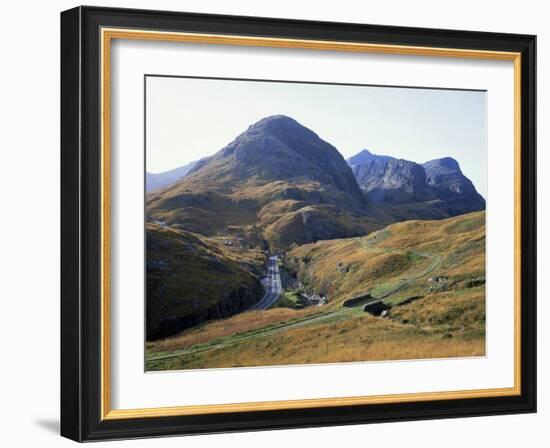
point(390, 180)
point(237, 301)
point(357, 301)
point(376, 308)
point(408, 190)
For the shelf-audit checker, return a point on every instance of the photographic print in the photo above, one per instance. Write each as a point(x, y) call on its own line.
point(291, 223)
point(252, 202)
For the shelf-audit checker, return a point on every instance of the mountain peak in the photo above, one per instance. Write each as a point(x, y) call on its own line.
point(364, 153)
point(280, 126)
point(365, 156)
point(277, 118)
point(444, 163)
point(278, 148)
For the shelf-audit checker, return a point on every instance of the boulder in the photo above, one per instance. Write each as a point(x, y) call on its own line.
point(472, 283)
point(356, 301)
point(376, 308)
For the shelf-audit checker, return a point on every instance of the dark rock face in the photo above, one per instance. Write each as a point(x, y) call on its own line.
point(376, 308)
point(237, 301)
point(436, 189)
point(456, 193)
point(445, 177)
point(390, 180)
point(356, 301)
point(189, 281)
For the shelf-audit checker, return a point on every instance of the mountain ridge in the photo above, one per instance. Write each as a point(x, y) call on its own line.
point(433, 190)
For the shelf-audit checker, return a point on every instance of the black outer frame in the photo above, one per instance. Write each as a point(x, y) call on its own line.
point(80, 224)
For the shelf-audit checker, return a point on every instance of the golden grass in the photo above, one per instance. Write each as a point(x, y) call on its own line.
point(342, 268)
point(448, 321)
point(462, 310)
point(442, 325)
point(415, 349)
point(376, 351)
point(226, 327)
point(348, 267)
point(354, 339)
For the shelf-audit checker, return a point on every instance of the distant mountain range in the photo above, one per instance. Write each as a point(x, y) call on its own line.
point(278, 181)
point(155, 181)
point(407, 190)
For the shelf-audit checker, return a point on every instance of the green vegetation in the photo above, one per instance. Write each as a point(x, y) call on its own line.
point(289, 299)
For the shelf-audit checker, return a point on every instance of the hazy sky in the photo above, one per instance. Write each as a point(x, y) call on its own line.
point(188, 119)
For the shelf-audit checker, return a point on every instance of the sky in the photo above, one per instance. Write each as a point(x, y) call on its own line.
point(187, 119)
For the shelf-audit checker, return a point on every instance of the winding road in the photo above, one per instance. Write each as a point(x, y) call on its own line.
point(273, 286)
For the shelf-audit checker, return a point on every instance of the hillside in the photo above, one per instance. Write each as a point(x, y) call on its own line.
point(408, 190)
point(191, 279)
point(430, 275)
point(413, 251)
point(277, 179)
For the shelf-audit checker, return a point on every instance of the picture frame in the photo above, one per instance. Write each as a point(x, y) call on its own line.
point(86, 37)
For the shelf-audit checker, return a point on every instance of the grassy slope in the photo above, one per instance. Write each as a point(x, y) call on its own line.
point(281, 212)
point(357, 337)
point(192, 278)
point(404, 254)
point(394, 263)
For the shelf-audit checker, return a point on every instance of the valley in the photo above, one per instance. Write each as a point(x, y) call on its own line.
point(276, 250)
point(435, 303)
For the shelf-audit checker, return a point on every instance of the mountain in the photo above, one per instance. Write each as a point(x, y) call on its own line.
point(444, 176)
point(278, 184)
point(191, 279)
point(390, 180)
point(279, 148)
point(408, 190)
point(155, 181)
point(365, 156)
point(279, 180)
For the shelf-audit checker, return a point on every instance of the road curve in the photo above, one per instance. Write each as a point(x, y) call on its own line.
point(273, 286)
